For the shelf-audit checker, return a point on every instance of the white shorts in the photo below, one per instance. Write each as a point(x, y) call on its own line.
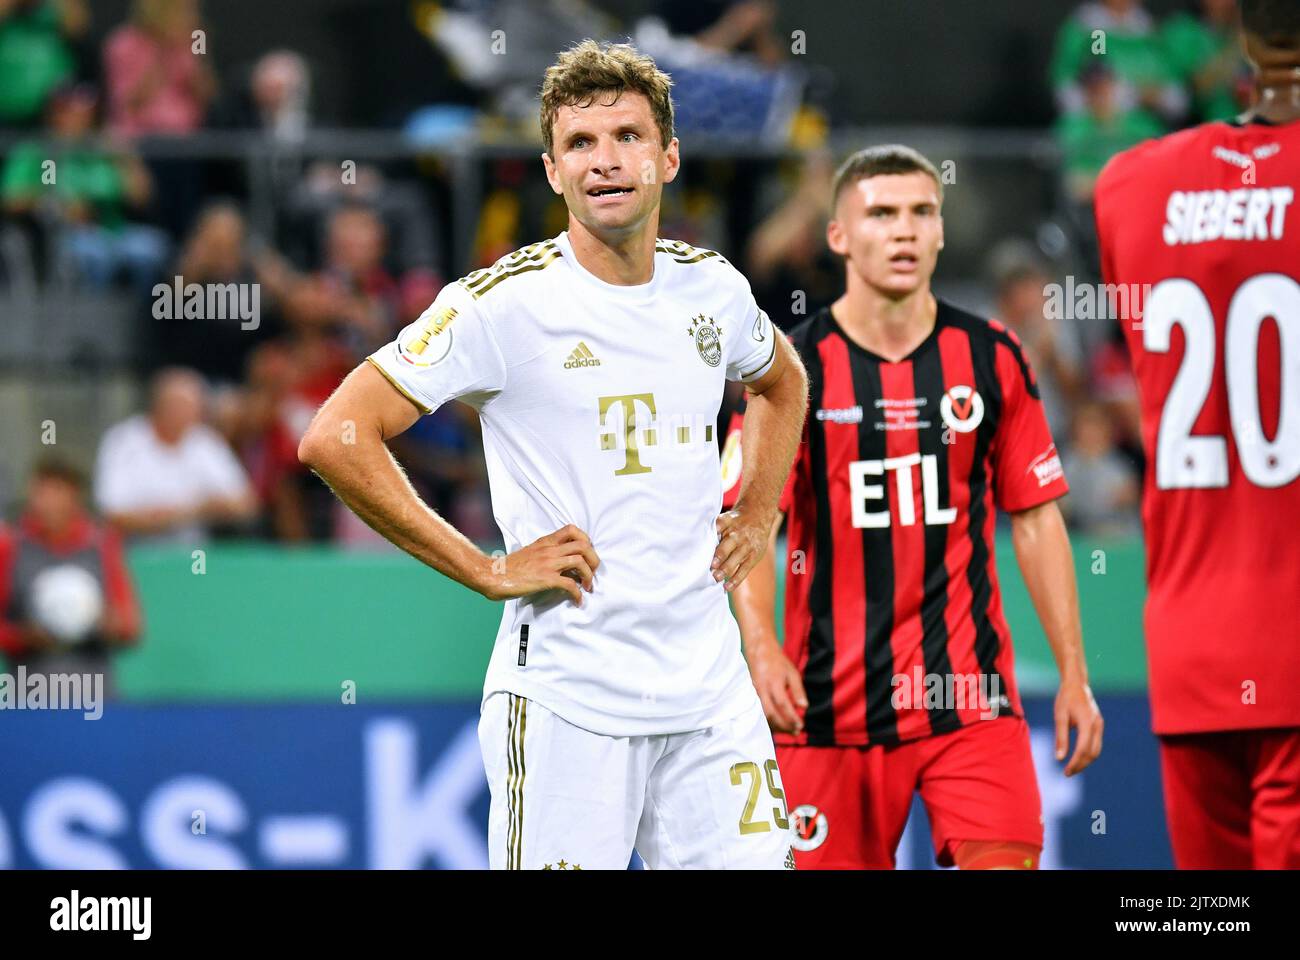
point(564, 798)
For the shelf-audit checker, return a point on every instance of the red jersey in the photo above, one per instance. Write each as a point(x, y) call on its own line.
point(100, 548)
point(1202, 217)
point(891, 515)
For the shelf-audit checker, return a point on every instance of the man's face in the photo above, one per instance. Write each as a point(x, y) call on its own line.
point(73, 116)
point(608, 162)
point(178, 406)
point(1099, 94)
point(889, 230)
point(1022, 304)
point(277, 78)
point(53, 501)
point(356, 241)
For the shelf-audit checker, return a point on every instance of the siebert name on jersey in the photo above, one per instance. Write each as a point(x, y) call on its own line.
point(1199, 216)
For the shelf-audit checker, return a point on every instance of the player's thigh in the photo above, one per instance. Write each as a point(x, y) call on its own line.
point(1207, 801)
point(716, 801)
point(978, 784)
point(837, 823)
point(562, 797)
point(1275, 804)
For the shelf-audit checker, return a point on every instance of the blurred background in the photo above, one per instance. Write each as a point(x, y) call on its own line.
point(211, 211)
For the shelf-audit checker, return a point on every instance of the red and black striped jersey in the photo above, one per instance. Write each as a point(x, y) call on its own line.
point(893, 613)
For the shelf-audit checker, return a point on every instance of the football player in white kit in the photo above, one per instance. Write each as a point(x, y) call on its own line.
point(618, 712)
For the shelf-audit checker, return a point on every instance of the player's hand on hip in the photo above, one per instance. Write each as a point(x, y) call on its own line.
point(1076, 708)
point(563, 560)
point(779, 686)
point(742, 538)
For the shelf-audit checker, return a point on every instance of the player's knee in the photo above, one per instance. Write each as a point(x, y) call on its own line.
point(996, 855)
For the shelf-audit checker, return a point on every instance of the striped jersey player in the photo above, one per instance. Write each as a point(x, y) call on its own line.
point(891, 504)
point(897, 672)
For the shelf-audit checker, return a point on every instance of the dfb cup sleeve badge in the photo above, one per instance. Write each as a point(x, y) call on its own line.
point(708, 339)
point(808, 827)
point(431, 340)
point(962, 408)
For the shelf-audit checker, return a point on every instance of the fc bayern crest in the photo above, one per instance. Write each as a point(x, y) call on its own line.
point(708, 339)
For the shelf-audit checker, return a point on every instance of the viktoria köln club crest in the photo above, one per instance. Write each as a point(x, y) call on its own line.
point(809, 826)
point(708, 339)
point(962, 408)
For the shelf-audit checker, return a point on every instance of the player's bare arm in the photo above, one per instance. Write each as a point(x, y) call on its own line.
point(776, 678)
point(346, 446)
point(1047, 564)
point(774, 416)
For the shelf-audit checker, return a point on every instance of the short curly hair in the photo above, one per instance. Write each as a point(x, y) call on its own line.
point(588, 69)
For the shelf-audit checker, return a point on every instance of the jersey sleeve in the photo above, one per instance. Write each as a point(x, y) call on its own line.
point(450, 352)
point(751, 348)
point(1026, 466)
point(733, 465)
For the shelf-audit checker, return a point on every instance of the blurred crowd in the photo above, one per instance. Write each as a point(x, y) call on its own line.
point(1119, 76)
point(355, 251)
point(353, 258)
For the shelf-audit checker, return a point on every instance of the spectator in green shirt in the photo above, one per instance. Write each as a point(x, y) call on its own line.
point(1121, 35)
point(36, 54)
point(1102, 129)
point(82, 193)
point(1206, 55)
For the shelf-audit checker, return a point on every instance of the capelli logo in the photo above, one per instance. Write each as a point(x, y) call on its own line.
point(77, 913)
point(841, 415)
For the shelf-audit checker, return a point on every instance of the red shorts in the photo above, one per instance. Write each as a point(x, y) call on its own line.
point(852, 803)
point(1232, 799)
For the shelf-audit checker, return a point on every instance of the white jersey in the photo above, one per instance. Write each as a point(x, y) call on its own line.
point(598, 404)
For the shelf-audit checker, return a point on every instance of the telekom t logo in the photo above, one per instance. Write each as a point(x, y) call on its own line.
point(861, 493)
point(609, 439)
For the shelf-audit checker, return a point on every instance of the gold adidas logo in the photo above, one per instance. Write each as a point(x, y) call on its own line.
point(581, 357)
